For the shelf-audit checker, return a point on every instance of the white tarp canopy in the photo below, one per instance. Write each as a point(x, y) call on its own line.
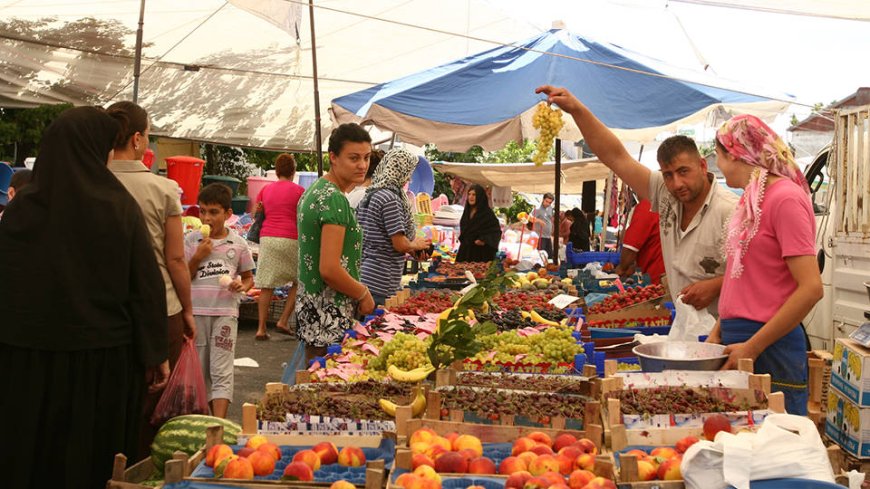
point(527, 177)
point(214, 72)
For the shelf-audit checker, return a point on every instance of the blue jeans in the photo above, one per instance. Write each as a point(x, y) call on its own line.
point(785, 361)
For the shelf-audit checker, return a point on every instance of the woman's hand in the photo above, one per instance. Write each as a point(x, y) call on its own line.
point(737, 351)
point(479, 242)
point(421, 243)
point(157, 377)
point(366, 305)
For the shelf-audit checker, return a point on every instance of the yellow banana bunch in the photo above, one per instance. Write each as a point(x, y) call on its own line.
point(416, 375)
point(540, 319)
point(418, 405)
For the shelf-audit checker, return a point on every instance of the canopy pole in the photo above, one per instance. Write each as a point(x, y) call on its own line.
point(317, 135)
point(137, 60)
point(556, 203)
point(623, 219)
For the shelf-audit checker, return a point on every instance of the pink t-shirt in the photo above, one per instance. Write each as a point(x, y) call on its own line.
point(279, 201)
point(788, 228)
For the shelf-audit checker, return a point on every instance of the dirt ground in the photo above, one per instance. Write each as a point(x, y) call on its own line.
point(272, 356)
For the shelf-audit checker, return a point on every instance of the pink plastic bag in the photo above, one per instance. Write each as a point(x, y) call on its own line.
point(185, 392)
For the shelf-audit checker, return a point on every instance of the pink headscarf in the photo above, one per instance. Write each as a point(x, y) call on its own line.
point(750, 140)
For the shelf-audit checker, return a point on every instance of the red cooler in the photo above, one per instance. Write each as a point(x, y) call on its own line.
point(187, 172)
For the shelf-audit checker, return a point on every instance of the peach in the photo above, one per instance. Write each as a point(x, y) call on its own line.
point(351, 457)
point(541, 438)
point(308, 457)
point(342, 484)
point(585, 462)
point(561, 485)
point(240, 468)
point(420, 447)
point(419, 459)
point(587, 446)
point(537, 483)
point(262, 463)
point(527, 457)
point(541, 450)
point(714, 424)
point(451, 462)
point(222, 465)
point(245, 452)
point(600, 483)
point(452, 436)
point(216, 454)
point(637, 453)
point(663, 452)
point(481, 465)
point(523, 444)
point(468, 442)
point(554, 478)
point(469, 454)
point(512, 465)
point(425, 435)
point(669, 470)
point(564, 440)
point(435, 451)
point(475, 487)
point(272, 449)
point(571, 452)
point(427, 472)
point(517, 480)
point(443, 443)
point(566, 464)
point(409, 481)
point(544, 463)
point(327, 452)
point(656, 461)
point(298, 471)
point(646, 471)
point(255, 441)
point(579, 478)
point(685, 443)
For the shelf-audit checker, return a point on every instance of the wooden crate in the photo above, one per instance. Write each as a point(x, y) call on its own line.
point(434, 407)
point(590, 384)
point(819, 381)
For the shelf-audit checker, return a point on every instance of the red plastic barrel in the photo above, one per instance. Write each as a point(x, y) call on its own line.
point(187, 172)
point(148, 159)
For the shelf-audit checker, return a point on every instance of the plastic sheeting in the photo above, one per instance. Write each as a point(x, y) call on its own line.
point(526, 177)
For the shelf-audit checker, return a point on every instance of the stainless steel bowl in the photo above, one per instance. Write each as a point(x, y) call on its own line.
point(680, 355)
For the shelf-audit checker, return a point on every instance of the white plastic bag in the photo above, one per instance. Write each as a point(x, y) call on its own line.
point(784, 446)
point(689, 323)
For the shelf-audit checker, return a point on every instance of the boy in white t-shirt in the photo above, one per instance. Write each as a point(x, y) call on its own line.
point(220, 270)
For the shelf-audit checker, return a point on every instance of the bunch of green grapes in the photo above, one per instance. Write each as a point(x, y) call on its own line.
point(506, 345)
point(555, 344)
point(548, 122)
point(405, 351)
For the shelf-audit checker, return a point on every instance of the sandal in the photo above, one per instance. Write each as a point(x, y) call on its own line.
point(262, 337)
point(284, 330)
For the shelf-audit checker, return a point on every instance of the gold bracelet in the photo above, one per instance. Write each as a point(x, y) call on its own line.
point(364, 294)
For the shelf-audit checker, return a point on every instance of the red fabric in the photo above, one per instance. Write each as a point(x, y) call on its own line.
point(643, 235)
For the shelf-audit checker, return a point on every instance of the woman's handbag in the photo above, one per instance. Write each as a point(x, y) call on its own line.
point(259, 218)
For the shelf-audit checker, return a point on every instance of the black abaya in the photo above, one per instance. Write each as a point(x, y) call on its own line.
point(483, 226)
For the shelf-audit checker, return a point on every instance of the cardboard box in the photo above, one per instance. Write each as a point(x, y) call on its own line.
point(850, 372)
point(848, 424)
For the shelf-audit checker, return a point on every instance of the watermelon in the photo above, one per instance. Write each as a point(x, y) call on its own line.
point(187, 434)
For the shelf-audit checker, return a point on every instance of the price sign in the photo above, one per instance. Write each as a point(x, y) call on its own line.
point(862, 335)
point(562, 301)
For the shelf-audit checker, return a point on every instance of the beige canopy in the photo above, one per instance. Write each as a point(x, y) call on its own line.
point(527, 177)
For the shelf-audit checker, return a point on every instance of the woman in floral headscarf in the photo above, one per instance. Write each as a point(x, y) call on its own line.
point(388, 227)
point(772, 277)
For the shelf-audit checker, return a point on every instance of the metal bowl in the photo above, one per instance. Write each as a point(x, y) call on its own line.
point(867, 286)
point(680, 355)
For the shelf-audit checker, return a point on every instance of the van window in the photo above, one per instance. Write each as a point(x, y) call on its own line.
point(818, 180)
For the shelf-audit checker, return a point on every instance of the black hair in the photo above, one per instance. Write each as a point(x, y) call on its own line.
point(675, 146)
point(347, 132)
point(216, 194)
point(550, 196)
point(374, 160)
point(20, 179)
point(132, 119)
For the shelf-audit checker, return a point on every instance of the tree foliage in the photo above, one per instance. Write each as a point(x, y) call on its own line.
point(21, 130)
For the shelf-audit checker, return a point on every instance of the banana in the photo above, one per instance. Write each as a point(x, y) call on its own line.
point(416, 375)
point(525, 314)
point(389, 407)
point(540, 320)
point(418, 405)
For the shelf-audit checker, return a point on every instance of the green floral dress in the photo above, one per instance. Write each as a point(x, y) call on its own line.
point(322, 313)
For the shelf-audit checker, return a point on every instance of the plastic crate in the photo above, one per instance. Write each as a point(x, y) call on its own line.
point(585, 257)
point(248, 311)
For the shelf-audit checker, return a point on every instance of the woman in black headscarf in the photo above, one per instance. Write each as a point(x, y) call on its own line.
point(579, 234)
point(83, 311)
point(479, 229)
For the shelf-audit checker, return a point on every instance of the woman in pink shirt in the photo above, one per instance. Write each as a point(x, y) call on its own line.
point(278, 260)
point(772, 277)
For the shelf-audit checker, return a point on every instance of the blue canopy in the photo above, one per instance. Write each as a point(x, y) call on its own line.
point(487, 98)
point(423, 179)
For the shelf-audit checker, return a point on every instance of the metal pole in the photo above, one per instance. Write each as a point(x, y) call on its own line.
point(137, 62)
point(556, 203)
point(317, 136)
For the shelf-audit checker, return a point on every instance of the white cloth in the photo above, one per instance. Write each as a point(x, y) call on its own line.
point(502, 197)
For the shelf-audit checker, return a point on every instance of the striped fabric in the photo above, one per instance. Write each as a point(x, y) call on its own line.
point(382, 265)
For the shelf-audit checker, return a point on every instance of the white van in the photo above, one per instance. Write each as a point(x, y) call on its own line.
point(839, 179)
